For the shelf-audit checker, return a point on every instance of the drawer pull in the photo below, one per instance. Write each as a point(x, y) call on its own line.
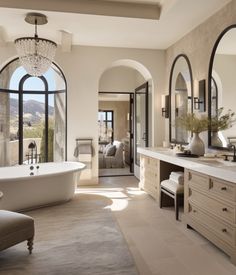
point(224, 209)
point(224, 230)
point(224, 188)
point(194, 211)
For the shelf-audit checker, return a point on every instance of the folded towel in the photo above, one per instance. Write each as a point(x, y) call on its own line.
point(83, 148)
point(177, 177)
point(177, 173)
point(85, 157)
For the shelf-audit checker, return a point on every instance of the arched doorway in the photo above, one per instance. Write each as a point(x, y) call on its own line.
point(33, 115)
point(130, 83)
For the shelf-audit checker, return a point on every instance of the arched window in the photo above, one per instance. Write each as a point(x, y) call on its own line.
point(32, 115)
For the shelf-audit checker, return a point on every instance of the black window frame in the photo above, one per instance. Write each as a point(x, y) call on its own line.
point(45, 92)
point(106, 121)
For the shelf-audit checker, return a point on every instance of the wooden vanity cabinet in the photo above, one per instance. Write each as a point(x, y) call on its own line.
point(210, 208)
point(152, 172)
point(149, 175)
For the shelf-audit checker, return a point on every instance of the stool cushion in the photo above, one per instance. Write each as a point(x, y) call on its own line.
point(173, 186)
point(14, 228)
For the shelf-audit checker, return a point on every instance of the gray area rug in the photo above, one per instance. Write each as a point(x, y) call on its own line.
point(79, 237)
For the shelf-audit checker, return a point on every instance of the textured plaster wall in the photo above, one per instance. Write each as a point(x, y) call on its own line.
point(198, 45)
point(83, 68)
point(120, 79)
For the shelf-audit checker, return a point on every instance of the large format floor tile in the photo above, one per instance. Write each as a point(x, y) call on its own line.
point(159, 244)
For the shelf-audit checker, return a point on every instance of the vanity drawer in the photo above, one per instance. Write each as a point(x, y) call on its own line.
point(197, 180)
point(223, 189)
point(220, 209)
point(224, 231)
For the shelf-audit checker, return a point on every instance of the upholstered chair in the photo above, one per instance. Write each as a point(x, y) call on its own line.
point(15, 228)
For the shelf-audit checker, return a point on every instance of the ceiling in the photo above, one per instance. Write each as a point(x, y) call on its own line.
point(177, 18)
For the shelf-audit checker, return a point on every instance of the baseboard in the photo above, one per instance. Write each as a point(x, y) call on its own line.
point(92, 181)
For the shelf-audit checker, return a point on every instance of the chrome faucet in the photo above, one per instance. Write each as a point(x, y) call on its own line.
point(230, 145)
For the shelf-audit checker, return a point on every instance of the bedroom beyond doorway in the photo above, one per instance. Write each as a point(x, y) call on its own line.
point(115, 134)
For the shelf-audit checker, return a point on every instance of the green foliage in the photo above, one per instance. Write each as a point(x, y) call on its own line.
point(222, 121)
point(50, 145)
point(34, 132)
point(192, 123)
point(195, 124)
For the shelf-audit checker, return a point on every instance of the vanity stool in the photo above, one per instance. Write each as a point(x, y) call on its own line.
point(15, 228)
point(173, 190)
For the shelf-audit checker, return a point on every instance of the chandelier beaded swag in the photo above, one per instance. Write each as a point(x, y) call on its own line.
point(35, 54)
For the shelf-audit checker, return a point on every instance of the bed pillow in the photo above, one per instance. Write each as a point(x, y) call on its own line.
point(106, 148)
point(111, 150)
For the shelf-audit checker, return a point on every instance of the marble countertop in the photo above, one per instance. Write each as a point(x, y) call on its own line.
point(215, 167)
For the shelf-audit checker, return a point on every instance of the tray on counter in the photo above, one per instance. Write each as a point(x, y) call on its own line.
point(187, 155)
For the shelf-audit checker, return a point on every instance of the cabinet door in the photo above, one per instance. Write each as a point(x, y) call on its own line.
point(149, 175)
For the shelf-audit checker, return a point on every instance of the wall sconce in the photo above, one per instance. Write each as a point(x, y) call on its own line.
point(197, 103)
point(200, 102)
point(165, 106)
point(178, 103)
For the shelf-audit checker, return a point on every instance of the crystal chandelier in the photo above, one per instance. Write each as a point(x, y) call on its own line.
point(35, 54)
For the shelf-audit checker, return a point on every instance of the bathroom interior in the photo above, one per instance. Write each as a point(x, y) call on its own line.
point(121, 153)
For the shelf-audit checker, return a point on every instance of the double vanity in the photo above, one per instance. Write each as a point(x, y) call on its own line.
point(209, 192)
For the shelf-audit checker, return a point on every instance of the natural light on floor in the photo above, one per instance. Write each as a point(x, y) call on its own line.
point(119, 196)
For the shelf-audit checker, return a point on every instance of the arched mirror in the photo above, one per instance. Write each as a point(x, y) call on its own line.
point(181, 94)
point(222, 87)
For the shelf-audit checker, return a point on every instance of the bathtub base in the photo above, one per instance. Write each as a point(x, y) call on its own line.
point(35, 192)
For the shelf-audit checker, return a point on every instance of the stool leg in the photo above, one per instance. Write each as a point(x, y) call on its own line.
point(176, 207)
point(30, 244)
point(161, 198)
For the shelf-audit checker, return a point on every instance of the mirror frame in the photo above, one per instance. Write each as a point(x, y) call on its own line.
point(170, 88)
point(209, 81)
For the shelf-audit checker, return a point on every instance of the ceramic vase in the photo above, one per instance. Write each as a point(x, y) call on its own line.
point(197, 145)
point(215, 140)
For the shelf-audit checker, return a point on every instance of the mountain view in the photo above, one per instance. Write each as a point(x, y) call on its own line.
point(33, 110)
point(33, 116)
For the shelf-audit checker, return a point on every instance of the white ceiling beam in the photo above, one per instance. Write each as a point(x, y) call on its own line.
point(93, 7)
point(66, 41)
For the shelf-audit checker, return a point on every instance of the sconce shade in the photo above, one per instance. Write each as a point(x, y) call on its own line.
point(200, 101)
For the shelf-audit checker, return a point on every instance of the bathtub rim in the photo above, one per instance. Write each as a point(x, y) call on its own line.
point(80, 166)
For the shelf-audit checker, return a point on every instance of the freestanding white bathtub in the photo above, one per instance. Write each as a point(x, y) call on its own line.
point(49, 184)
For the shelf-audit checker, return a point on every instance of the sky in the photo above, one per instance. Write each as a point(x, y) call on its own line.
point(33, 83)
